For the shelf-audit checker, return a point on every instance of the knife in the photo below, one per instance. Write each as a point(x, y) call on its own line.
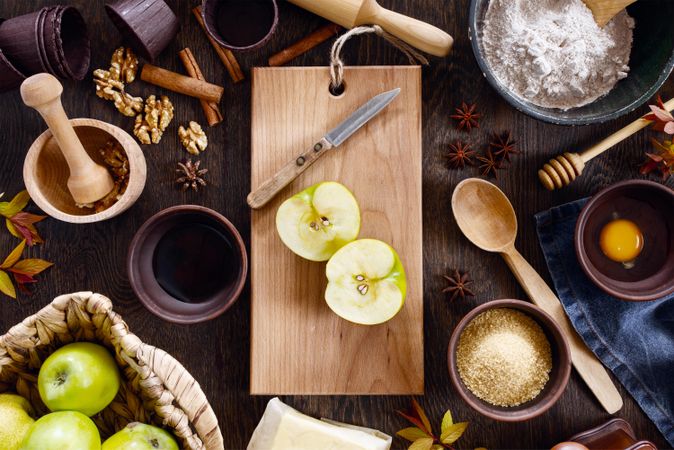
point(268, 190)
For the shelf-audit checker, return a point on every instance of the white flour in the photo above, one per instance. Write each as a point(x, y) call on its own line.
point(552, 53)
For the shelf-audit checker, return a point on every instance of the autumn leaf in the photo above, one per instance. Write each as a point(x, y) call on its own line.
point(412, 434)
point(13, 207)
point(31, 266)
point(453, 433)
point(422, 444)
point(22, 227)
point(6, 286)
point(664, 121)
point(447, 421)
point(14, 256)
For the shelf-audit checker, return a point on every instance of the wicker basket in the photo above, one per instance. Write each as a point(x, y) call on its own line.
point(155, 389)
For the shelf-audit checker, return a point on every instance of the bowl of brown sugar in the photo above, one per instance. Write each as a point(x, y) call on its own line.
point(509, 360)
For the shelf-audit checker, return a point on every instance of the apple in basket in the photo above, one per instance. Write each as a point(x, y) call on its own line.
point(79, 377)
point(366, 282)
point(318, 221)
point(62, 430)
point(139, 436)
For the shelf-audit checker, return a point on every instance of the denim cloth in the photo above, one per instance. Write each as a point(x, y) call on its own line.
point(633, 339)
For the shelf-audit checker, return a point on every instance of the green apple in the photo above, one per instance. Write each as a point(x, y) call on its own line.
point(16, 419)
point(78, 377)
point(138, 436)
point(63, 430)
point(319, 220)
point(366, 282)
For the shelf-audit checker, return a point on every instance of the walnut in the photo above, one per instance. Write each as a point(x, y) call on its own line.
point(193, 138)
point(117, 163)
point(158, 116)
point(110, 89)
point(124, 65)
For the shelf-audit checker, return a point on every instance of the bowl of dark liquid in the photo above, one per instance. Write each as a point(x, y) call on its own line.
point(240, 24)
point(187, 264)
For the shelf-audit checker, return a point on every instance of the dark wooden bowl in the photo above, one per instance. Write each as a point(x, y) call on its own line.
point(559, 375)
point(141, 272)
point(651, 62)
point(651, 206)
point(212, 8)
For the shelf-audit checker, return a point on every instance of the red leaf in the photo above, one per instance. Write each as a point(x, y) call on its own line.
point(22, 278)
point(422, 415)
point(23, 223)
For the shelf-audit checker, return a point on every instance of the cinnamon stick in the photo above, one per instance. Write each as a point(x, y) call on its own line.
point(181, 84)
point(304, 45)
point(211, 110)
point(226, 56)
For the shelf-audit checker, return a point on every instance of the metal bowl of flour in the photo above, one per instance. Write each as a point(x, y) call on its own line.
point(651, 62)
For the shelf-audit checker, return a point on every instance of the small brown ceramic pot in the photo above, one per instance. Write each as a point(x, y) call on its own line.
point(141, 271)
point(559, 375)
point(240, 24)
point(650, 206)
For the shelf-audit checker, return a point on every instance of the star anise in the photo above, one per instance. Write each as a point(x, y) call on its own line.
point(458, 285)
point(190, 175)
point(460, 154)
point(503, 146)
point(490, 165)
point(467, 116)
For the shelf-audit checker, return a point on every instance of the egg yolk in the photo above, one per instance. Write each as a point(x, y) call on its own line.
point(621, 240)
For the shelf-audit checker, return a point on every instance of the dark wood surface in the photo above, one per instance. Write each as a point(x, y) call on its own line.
point(92, 257)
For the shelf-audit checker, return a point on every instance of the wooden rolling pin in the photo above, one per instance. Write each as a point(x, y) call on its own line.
point(605, 10)
point(88, 181)
point(351, 13)
point(563, 169)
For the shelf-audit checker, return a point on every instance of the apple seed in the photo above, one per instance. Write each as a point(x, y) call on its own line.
point(362, 288)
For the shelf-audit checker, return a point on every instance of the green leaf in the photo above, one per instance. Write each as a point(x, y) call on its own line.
point(14, 256)
point(31, 266)
point(412, 434)
point(6, 286)
point(447, 421)
point(422, 415)
point(453, 433)
point(437, 447)
point(9, 209)
point(422, 444)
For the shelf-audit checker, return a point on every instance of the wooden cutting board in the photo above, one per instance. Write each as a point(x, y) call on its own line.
point(298, 345)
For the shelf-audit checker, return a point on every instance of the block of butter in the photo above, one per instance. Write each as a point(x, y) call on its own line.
point(284, 428)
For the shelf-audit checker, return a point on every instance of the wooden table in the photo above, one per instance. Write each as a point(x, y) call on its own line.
point(92, 257)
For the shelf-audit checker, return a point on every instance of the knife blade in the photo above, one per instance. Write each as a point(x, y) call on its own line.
point(334, 138)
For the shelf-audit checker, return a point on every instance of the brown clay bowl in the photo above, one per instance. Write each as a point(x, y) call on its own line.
point(141, 271)
point(45, 171)
point(650, 206)
point(559, 375)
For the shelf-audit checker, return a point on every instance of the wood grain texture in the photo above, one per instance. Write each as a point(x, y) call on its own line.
point(216, 353)
point(298, 346)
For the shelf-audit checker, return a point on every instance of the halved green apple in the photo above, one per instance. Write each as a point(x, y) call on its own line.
point(366, 282)
point(319, 220)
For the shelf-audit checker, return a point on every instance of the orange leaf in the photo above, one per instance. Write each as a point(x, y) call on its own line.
point(6, 286)
point(422, 415)
point(31, 266)
point(14, 256)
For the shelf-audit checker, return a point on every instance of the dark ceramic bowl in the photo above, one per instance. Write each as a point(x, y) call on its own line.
point(559, 375)
point(650, 206)
point(253, 32)
point(141, 270)
point(651, 62)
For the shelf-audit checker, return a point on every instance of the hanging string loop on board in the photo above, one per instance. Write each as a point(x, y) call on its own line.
point(337, 65)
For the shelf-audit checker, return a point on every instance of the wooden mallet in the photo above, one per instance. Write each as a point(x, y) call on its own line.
point(565, 168)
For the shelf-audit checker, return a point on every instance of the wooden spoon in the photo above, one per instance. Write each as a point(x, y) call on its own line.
point(88, 181)
point(487, 219)
point(605, 10)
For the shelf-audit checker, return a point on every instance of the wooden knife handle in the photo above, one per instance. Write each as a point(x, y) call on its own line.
point(268, 190)
point(586, 363)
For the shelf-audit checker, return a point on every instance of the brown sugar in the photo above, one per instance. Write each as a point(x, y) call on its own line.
point(504, 357)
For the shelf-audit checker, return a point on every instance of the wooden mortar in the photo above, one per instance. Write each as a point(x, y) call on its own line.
point(45, 171)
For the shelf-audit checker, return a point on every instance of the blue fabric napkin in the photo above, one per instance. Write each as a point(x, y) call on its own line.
point(634, 339)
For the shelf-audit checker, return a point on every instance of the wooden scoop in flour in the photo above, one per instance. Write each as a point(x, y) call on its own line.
point(351, 13)
point(605, 10)
point(88, 181)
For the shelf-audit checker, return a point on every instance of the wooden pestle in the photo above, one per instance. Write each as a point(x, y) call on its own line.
point(88, 181)
point(562, 170)
point(605, 10)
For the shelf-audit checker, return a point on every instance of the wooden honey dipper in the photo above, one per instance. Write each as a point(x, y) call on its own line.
point(88, 181)
point(565, 168)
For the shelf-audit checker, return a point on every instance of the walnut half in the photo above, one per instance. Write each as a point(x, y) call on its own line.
point(193, 138)
point(124, 65)
point(110, 89)
point(158, 116)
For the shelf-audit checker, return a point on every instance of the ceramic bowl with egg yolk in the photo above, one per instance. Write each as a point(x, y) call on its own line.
point(625, 240)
